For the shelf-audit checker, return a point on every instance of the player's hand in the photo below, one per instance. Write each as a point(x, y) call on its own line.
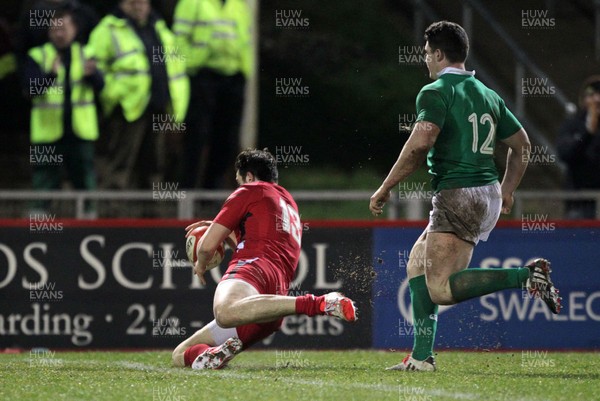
point(200, 223)
point(507, 203)
point(378, 200)
point(199, 271)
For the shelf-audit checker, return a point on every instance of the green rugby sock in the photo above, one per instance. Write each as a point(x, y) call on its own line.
point(424, 313)
point(471, 283)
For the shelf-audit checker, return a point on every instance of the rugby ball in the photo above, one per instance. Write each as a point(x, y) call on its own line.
point(191, 247)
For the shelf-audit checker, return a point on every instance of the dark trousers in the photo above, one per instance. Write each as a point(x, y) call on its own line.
point(134, 154)
point(212, 129)
point(52, 161)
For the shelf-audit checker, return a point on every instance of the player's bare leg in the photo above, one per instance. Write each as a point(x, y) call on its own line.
point(445, 254)
point(238, 303)
point(202, 336)
point(239, 311)
point(449, 281)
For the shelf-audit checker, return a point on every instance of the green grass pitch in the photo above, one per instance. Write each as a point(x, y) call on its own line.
point(301, 375)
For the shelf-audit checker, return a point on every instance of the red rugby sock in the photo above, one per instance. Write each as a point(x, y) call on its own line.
point(252, 333)
point(192, 352)
point(310, 305)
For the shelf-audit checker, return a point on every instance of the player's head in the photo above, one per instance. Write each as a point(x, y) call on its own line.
point(446, 43)
point(589, 96)
point(256, 165)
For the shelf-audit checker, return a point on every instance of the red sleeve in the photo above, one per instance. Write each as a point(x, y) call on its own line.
point(235, 207)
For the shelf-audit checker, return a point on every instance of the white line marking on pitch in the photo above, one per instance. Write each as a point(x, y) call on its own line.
point(318, 383)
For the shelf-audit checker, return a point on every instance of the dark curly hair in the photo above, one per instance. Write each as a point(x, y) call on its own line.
point(450, 38)
point(261, 163)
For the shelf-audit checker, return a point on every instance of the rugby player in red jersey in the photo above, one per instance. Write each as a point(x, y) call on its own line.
point(251, 299)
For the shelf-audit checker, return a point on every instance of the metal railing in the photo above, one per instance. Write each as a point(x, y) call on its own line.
point(187, 205)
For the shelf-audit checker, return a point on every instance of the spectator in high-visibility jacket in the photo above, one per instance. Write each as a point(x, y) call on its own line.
point(215, 36)
point(146, 83)
point(61, 79)
point(35, 21)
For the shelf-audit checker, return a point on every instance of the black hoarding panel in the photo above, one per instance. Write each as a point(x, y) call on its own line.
point(132, 287)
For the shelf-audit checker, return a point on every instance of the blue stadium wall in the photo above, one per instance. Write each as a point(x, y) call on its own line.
point(127, 284)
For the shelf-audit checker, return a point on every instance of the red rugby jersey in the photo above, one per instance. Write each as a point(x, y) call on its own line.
point(265, 219)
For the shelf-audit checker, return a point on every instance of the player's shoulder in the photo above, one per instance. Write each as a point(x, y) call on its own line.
point(440, 88)
point(259, 188)
point(438, 85)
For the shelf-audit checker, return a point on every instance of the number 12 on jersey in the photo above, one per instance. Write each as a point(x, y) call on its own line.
point(290, 221)
point(487, 147)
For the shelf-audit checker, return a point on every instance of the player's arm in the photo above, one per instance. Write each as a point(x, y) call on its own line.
point(516, 164)
point(210, 241)
point(231, 240)
point(412, 156)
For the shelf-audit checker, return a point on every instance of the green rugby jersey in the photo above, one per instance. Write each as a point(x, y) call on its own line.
point(471, 118)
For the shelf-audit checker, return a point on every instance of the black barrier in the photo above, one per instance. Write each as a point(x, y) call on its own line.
point(132, 287)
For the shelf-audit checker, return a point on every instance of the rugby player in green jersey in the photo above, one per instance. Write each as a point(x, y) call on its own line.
point(458, 123)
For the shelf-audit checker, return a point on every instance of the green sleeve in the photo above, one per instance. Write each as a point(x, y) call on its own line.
point(431, 107)
point(508, 124)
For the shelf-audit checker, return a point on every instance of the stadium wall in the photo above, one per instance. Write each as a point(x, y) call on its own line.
point(127, 284)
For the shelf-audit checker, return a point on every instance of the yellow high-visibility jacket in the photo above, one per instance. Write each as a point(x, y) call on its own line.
point(215, 35)
point(122, 57)
point(47, 107)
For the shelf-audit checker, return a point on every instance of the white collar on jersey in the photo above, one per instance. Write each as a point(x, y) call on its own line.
point(454, 70)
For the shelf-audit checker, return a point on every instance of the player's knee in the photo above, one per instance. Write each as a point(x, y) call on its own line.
point(439, 296)
point(178, 359)
point(225, 316)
